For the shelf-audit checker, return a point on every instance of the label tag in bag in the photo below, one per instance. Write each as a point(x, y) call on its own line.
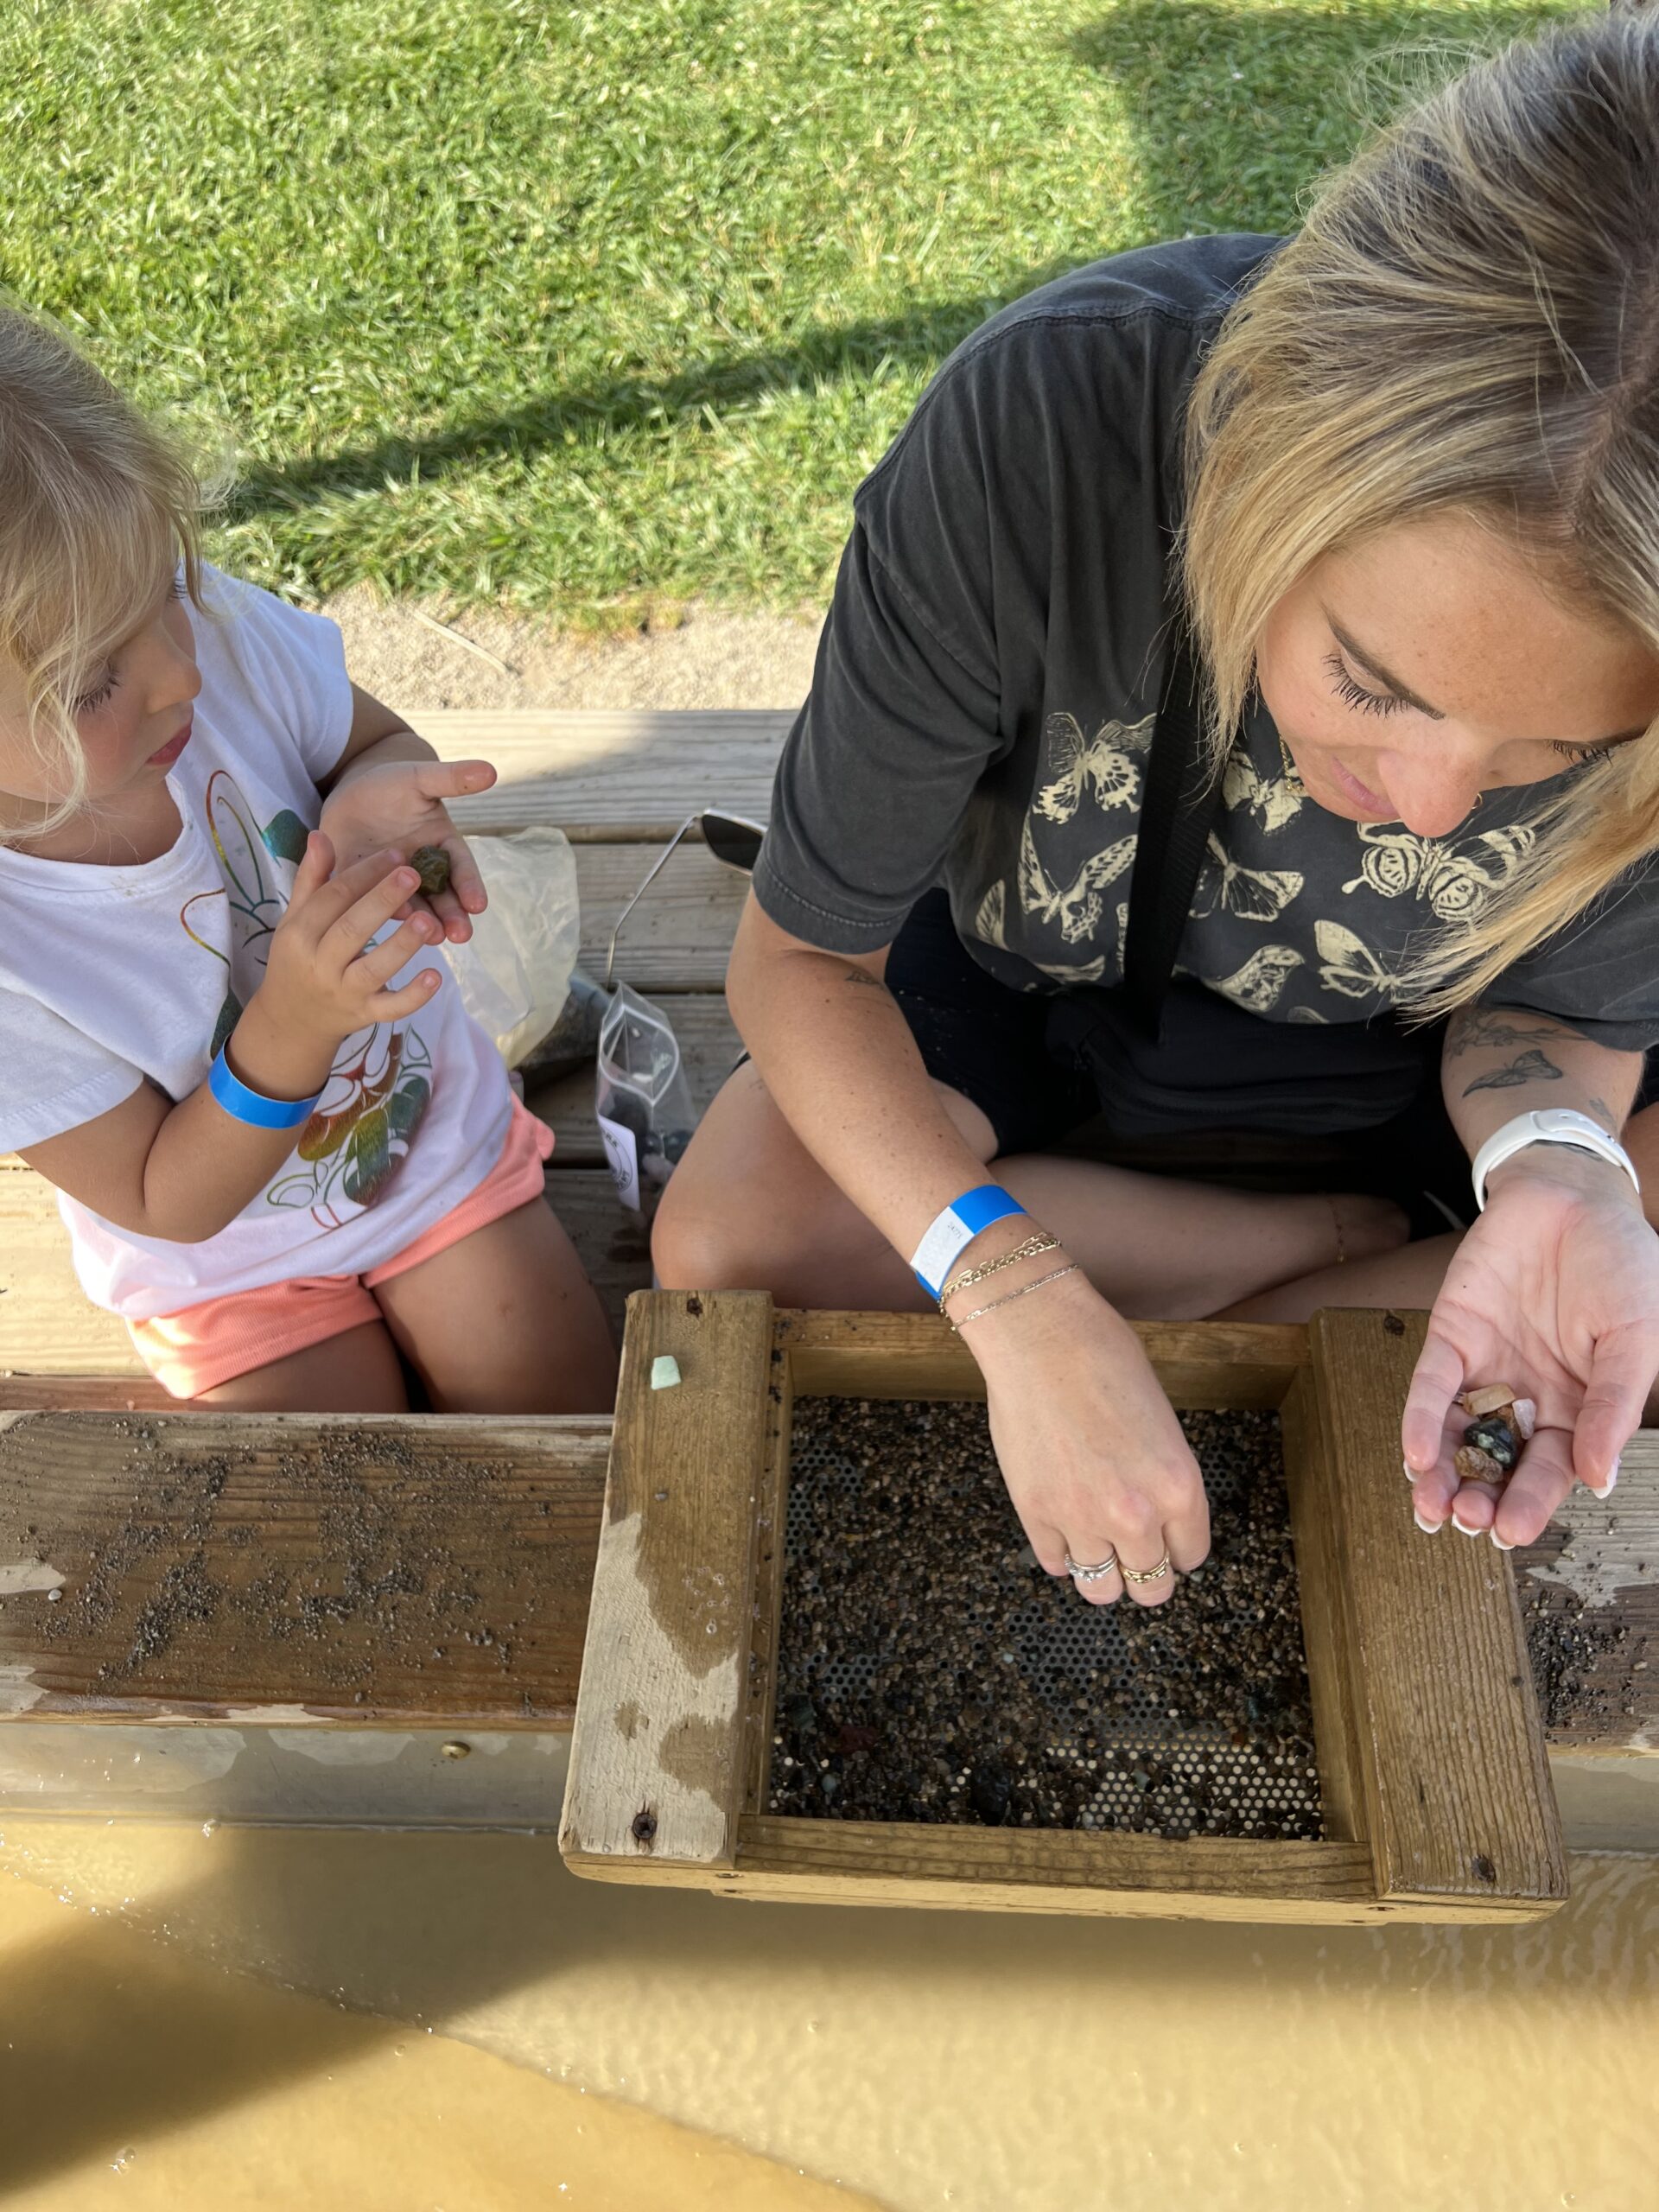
point(622, 1158)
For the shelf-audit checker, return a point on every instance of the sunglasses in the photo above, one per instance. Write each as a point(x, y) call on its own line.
point(733, 840)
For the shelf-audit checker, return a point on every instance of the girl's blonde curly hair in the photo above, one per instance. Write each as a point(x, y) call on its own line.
point(98, 508)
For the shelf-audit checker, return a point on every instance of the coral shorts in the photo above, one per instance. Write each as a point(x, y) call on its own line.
point(201, 1346)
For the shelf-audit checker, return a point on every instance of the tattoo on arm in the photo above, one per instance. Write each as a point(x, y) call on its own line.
point(1528, 1067)
point(1475, 1029)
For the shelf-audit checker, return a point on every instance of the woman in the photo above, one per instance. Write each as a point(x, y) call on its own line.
point(1401, 474)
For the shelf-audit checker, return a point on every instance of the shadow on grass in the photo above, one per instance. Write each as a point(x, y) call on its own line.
point(1198, 83)
point(721, 383)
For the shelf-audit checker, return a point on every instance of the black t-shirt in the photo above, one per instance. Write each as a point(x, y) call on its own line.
point(986, 691)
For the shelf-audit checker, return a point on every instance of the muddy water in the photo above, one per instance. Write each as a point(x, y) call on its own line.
point(991, 2065)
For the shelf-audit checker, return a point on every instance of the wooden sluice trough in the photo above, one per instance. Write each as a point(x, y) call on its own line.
point(1433, 1771)
point(169, 1576)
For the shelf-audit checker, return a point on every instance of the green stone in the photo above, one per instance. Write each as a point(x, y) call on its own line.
point(431, 863)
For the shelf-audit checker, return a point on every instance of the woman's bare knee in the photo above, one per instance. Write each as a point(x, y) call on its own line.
point(748, 1208)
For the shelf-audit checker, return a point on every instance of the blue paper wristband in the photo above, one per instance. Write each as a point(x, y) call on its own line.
point(953, 1230)
point(252, 1106)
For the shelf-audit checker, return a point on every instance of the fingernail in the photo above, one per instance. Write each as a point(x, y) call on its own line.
point(1410, 1471)
point(1428, 1528)
point(1606, 1490)
point(1464, 1529)
point(1499, 1541)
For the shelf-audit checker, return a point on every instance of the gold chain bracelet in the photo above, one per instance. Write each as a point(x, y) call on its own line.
point(1008, 1296)
point(1030, 1250)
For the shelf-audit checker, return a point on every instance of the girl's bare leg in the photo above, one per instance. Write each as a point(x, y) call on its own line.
point(749, 1207)
point(356, 1372)
point(506, 1322)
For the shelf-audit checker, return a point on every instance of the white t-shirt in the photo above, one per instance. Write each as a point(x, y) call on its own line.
point(109, 975)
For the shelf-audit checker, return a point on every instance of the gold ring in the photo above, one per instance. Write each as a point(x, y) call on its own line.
point(1145, 1573)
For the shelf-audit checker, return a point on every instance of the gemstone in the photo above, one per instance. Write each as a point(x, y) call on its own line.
point(1495, 1437)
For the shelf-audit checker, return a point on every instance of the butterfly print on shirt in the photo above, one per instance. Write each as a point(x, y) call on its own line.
point(1254, 894)
point(1272, 800)
point(1109, 763)
point(1078, 906)
point(1457, 884)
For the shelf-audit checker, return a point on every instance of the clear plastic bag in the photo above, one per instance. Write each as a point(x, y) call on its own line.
point(514, 974)
point(573, 1041)
point(643, 1099)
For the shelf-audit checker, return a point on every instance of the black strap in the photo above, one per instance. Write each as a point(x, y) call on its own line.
point(1177, 811)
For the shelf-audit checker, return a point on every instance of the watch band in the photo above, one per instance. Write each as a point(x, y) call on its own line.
point(1548, 1125)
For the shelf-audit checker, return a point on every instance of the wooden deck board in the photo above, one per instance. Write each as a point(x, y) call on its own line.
point(679, 936)
point(416, 1570)
point(608, 776)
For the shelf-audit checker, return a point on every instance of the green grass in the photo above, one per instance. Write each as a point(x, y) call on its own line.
point(579, 308)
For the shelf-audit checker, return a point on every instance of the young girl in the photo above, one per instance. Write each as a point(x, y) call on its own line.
point(285, 1154)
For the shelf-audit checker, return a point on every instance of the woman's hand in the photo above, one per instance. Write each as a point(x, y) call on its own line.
point(1555, 1291)
point(401, 804)
point(1093, 1456)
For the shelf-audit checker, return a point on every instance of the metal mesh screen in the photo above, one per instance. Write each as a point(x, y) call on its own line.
point(930, 1670)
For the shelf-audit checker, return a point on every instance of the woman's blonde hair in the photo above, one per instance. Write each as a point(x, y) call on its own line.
point(1468, 319)
point(98, 508)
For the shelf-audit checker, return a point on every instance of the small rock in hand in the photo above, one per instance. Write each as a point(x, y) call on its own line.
point(1475, 1465)
point(1491, 1443)
point(431, 864)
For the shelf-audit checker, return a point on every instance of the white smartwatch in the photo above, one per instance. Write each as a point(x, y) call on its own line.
point(1550, 1125)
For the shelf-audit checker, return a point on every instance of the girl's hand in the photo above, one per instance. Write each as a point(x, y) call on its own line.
point(322, 979)
point(1093, 1456)
point(401, 804)
point(1555, 1292)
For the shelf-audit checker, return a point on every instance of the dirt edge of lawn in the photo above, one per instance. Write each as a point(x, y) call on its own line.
point(709, 659)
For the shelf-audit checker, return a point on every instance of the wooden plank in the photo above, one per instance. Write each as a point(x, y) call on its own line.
point(418, 1570)
point(90, 1394)
point(771, 1523)
point(47, 1325)
point(1061, 1871)
point(610, 776)
point(1456, 1801)
point(656, 1765)
point(679, 936)
point(709, 1045)
point(1324, 1635)
point(614, 1245)
point(1047, 1871)
point(1240, 1364)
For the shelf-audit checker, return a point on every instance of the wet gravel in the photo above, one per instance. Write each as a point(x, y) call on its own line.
point(1587, 1664)
point(392, 1555)
point(929, 1669)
